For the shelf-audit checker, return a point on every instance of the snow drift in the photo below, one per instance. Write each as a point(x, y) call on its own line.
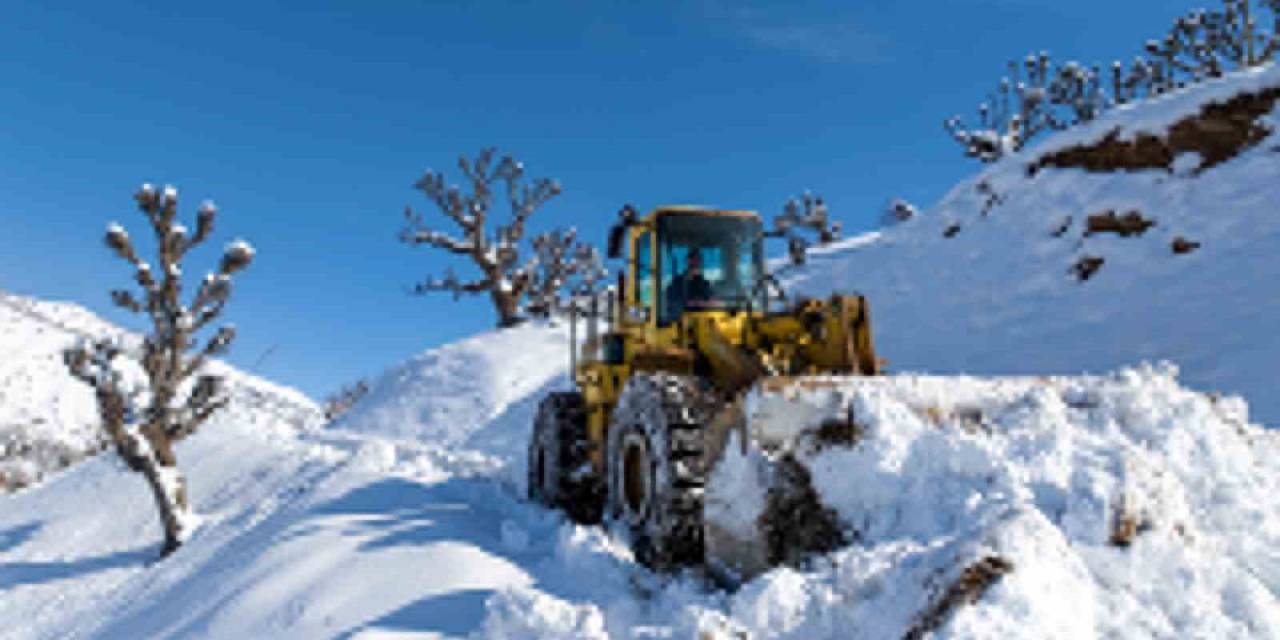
point(1118, 506)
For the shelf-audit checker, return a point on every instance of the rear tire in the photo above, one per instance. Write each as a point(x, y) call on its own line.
point(656, 469)
point(560, 471)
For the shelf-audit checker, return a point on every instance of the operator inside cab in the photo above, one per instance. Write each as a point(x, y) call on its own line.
point(704, 261)
point(691, 289)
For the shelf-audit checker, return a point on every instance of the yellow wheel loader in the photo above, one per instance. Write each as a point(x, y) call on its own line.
point(696, 326)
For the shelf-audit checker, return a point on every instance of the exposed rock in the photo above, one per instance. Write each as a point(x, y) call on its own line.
point(1219, 132)
point(1182, 245)
point(796, 523)
point(967, 589)
point(1130, 224)
point(1086, 266)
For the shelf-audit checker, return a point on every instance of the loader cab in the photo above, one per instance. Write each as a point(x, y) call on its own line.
point(689, 260)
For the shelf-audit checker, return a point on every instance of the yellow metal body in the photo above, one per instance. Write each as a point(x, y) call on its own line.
point(731, 349)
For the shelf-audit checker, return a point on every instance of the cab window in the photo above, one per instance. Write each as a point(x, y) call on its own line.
point(727, 270)
point(644, 269)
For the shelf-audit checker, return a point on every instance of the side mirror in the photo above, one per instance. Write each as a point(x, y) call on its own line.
point(627, 218)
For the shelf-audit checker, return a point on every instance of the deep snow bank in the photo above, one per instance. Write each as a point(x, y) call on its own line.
point(1122, 506)
point(999, 296)
point(448, 394)
point(339, 533)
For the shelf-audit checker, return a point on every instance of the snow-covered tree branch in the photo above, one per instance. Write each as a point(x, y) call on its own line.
point(564, 265)
point(1208, 43)
point(149, 403)
point(497, 255)
point(808, 212)
point(1035, 97)
point(897, 212)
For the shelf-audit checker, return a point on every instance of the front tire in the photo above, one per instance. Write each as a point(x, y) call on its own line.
point(560, 471)
point(656, 469)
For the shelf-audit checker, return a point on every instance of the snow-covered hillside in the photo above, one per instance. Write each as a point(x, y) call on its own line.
point(1119, 504)
point(324, 533)
point(49, 419)
point(999, 296)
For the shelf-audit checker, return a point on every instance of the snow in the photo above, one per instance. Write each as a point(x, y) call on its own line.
point(240, 249)
point(406, 517)
point(1033, 470)
point(48, 418)
point(479, 393)
point(998, 298)
point(352, 530)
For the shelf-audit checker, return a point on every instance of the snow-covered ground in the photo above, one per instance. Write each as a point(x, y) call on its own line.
point(406, 518)
point(998, 296)
point(323, 533)
point(48, 418)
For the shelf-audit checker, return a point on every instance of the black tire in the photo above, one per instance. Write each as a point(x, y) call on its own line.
point(657, 469)
point(560, 472)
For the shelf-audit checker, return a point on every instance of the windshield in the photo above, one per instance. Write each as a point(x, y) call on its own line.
point(706, 262)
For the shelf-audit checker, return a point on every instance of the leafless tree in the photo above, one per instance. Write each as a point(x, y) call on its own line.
point(341, 401)
point(503, 276)
point(149, 404)
point(591, 278)
point(1206, 44)
point(1078, 92)
point(564, 265)
point(897, 212)
point(1032, 98)
point(806, 213)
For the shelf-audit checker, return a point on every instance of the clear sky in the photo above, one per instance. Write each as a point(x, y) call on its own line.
point(308, 122)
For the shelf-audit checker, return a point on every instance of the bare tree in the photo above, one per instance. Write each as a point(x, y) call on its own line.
point(555, 266)
point(1206, 44)
point(341, 401)
point(146, 406)
point(564, 265)
point(1032, 98)
point(808, 212)
point(1078, 91)
point(897, 212)
point(591, 277)
point(497, 255)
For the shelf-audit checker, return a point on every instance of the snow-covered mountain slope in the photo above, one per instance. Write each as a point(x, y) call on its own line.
point(999, 296)
point(456, 393)
point(330, 533)
point(48, 419)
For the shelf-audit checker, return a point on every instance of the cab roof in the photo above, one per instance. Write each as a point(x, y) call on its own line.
point(698, 210)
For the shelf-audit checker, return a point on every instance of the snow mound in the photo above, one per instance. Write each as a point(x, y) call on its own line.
point(984, 281)
point(1116, 506)
point(453, 393)
point(346, 533)
point(49, 420)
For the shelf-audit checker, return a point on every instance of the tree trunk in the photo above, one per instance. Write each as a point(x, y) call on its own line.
point(156, 463)
point(169, 488)
point(508, 306)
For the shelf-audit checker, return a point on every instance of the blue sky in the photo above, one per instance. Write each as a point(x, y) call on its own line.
point(309, 122)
